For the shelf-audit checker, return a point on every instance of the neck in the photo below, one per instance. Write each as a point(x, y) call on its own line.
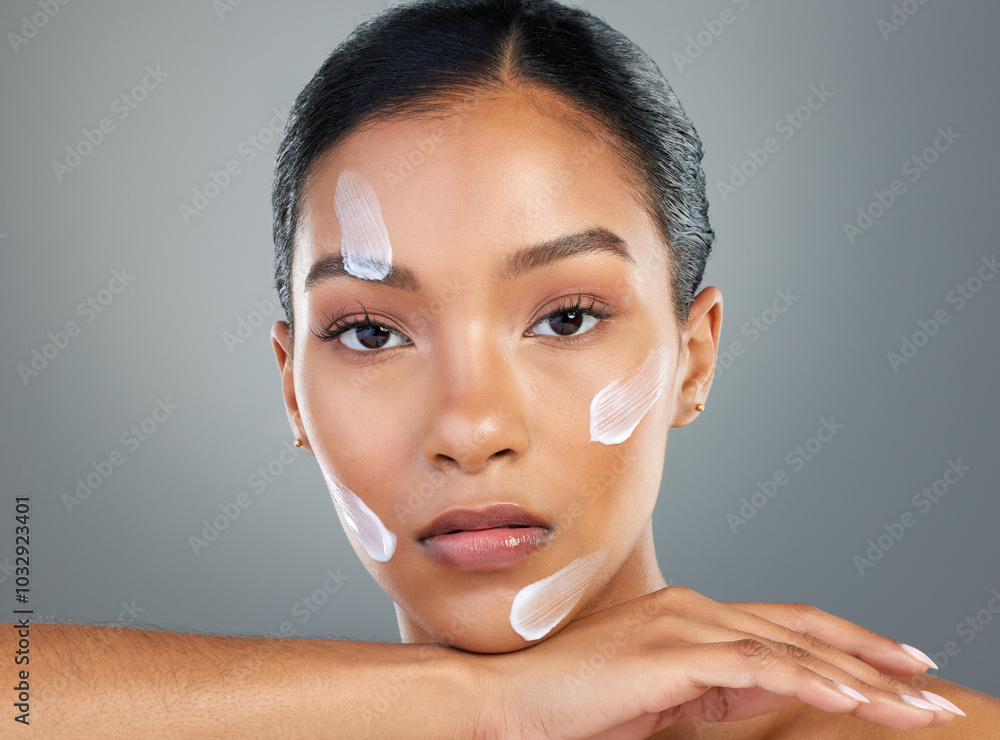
point(639, 575)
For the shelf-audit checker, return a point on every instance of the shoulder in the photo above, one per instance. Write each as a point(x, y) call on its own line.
point(800, 720)
point(982, 718)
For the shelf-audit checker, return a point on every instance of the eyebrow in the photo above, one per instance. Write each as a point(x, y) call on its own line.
point(523, 261)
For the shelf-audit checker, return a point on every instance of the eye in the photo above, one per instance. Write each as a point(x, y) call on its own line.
point(572, 319)
point(366, 337)
point(567, 323)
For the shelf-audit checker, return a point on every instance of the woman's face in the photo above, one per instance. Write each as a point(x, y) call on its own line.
point(467, 390)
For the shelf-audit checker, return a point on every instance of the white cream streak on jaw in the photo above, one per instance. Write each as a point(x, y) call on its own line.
point(364, 243)
point(619, 406)
point(378, 541)
point(540, 606)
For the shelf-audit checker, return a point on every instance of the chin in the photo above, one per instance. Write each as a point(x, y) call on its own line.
point(487, 636)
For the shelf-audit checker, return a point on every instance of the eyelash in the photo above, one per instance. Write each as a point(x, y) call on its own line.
point(337, 325)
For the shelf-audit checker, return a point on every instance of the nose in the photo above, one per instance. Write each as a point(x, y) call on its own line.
point(476, 413)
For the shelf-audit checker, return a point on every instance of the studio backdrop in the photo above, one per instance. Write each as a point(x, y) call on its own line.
point(847, 458)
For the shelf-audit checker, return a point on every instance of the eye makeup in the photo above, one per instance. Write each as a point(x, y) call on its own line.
point(378, 541)
point(364, 243)
point(576, 309)
point(618, 407)
point(540, 606)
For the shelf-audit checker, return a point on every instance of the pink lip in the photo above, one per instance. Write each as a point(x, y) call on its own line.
point(486, 539)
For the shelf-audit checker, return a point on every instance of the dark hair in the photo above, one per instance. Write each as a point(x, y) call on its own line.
point(426, 56)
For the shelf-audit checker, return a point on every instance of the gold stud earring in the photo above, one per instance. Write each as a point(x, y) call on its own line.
point(699, 407)
point(298, 442)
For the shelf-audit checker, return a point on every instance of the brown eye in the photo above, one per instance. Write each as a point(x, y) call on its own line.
point(370, 337)
point(566, 323)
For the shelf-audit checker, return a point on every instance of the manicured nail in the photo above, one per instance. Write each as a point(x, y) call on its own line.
point(921, 703)
point(941, 702)
point(918, 655)
point(852, 693)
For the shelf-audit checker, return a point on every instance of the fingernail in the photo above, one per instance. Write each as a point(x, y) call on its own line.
point(941, 702)
point(918, 655)
point(921, 703)
point(852, 693)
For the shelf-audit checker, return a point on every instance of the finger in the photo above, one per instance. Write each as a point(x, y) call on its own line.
point(835, 663)
point(876, 650)
point(731, 624)
point(883, 692)
point(694, 669)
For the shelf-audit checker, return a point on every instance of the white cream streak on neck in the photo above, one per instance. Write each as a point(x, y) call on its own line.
point(378, 541)
point(540, 606)
point(619, 406)
point(364, 243)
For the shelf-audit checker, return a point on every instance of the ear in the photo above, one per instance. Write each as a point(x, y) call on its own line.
point(282, 344)
point(699, 345)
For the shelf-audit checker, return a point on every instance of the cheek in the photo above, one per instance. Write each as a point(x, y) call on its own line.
point(618, 407)
point(346, 438)
point(379, 542)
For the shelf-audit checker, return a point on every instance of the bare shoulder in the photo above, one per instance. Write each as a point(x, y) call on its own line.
point(800, 720)
point(982, 718)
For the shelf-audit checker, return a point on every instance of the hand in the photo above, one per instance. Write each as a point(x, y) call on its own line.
point(677, 656)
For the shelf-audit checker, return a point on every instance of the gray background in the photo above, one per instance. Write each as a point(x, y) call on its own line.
point(163, 335)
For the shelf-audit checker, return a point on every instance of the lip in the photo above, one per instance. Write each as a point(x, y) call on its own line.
point(495, 537)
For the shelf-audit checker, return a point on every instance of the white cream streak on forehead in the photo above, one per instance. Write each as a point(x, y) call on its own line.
point(364, 242)
point(619, 406)
point(540, 606)
point(378, 541)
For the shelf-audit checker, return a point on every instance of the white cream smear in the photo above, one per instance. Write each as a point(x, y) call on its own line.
point(378, 541)
point(364, 242)
point(619, 406)
point(540, 606)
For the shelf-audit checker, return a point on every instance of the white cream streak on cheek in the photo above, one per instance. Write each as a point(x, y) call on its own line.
point(540, 606)
point(364, 243)
point(619, 406)
point(378, 541)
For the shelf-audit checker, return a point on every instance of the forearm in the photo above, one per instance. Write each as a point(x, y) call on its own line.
point(114, 682)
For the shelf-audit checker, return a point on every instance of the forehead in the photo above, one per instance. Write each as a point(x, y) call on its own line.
point(485, 177)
